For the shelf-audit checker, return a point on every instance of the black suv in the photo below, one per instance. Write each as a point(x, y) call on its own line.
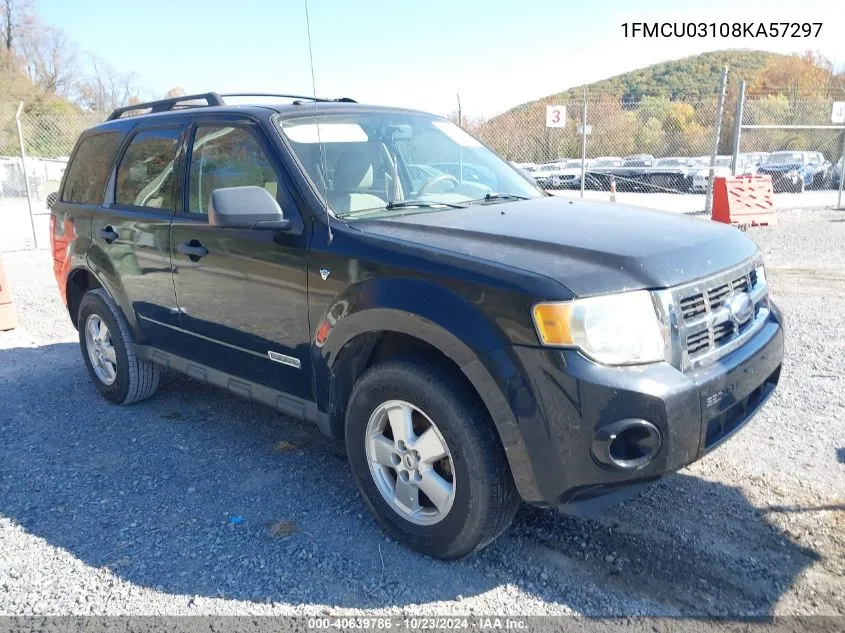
point(381, 273)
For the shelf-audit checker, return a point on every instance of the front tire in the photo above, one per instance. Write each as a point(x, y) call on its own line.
point(427, 460)
point(107, 349)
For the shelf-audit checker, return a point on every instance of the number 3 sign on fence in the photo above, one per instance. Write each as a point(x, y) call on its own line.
point(555, 116)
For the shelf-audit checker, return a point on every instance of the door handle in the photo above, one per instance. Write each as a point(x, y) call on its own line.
point(193, 249)
point(108, 234)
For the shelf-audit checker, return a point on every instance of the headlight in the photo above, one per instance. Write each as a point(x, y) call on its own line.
point(620, 329)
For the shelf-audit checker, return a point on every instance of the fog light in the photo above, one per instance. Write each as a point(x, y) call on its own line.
point(627, 444)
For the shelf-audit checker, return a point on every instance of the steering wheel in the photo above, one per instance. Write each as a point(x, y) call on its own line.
point(429, 184)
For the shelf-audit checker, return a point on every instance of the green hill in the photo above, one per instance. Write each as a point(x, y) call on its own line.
point(688, 78)
point(666, 109)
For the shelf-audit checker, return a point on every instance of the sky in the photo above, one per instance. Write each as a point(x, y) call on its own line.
point(421, 54)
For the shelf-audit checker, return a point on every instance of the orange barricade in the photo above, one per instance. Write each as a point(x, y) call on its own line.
point(744, 200)
point(8, 319)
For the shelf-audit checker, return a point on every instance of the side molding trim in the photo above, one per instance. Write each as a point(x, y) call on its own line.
point(284, 403)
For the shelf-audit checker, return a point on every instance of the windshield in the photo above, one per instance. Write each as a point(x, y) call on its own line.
point(784, 158)
point(369, 161)
point(570, 164)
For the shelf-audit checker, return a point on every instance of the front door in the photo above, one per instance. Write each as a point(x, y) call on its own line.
point(242, 293)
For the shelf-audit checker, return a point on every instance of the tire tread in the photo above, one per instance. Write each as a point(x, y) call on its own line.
point(143, 374)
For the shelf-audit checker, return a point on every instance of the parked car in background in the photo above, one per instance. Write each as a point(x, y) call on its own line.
point(701, 171)
point(525, 166)
point(672, 173)
point(791, 171)
point(639, 160)
point(598, 175)
point(722, 169)
point(632, 175)
point(543, 173)
point(755, 158)
point(569, 176)
point(822, 170)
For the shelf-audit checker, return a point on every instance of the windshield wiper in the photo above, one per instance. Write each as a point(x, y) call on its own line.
point(422, 204)
point(400, 204)
point(500, 196)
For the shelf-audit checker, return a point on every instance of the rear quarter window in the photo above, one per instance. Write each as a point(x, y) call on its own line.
point(89, 169)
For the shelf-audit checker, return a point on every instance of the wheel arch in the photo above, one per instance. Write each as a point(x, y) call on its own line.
point(79, 281)
point(358, 341)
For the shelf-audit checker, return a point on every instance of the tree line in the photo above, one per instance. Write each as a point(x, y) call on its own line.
point(59, 83)
point(670, 109)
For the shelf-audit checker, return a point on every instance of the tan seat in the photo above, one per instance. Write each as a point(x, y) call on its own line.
point(353, 176)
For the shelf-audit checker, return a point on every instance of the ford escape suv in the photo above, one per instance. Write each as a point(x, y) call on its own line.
point(379, 272)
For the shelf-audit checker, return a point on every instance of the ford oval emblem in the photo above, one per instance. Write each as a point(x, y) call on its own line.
point(740, 307)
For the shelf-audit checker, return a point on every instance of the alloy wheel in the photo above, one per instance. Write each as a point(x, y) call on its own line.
point(410, 462)
point(101, 350)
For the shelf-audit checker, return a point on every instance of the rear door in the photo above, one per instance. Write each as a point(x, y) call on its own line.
point(132, 229)
point(243, 300)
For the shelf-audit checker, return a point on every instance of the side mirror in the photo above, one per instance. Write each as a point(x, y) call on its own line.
point(245, 208)
point(52, 199)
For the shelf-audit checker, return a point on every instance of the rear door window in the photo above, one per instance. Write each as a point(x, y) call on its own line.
point(145, 176)
point(89, 170)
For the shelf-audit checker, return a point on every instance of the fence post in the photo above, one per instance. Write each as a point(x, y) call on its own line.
point(708, 203)
point(25, 174)
point(740, 106)
point(841, 173)
point(584, 144)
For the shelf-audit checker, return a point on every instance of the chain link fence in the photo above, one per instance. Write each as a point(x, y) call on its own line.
point(655, 151)
point(794, 141)
point(656, 146)
point(26, 180)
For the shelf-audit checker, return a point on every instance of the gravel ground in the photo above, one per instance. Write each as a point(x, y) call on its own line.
point(172, 506)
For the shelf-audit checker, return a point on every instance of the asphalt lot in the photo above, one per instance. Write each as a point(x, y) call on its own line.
point(173, 505)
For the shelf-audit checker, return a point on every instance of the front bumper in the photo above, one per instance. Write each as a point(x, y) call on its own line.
point(562, 401)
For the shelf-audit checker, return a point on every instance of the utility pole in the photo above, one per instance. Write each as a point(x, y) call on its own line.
point(708, 203)
point(460, 114)
point(25, 174)
point(740, 106)
point(584, 143)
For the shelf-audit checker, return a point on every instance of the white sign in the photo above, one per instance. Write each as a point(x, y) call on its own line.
point(555, 116)
point(838, 113)
point(588, 132)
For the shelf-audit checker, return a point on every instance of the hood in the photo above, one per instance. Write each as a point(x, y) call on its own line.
point(589, 247)
point(780, 167)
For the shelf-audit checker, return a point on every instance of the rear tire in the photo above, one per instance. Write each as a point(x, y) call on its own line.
point(477, 494)
point(116, 371)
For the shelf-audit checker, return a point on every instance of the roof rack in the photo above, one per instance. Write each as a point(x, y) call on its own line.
point(165, 105)
point(211, 99)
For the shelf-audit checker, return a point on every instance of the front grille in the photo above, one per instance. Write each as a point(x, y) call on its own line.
point(695, 305)
point(706, 324)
